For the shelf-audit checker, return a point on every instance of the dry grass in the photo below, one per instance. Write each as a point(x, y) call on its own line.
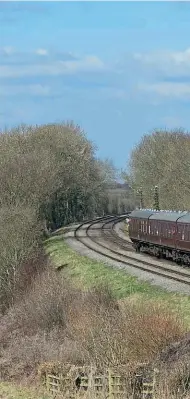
point(13, 391)
point(56, 321)
point(174, 382)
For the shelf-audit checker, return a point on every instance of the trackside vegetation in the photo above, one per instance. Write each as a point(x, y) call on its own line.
point(49, 177)
point(87, 313)
point(88, 273)
point(10, 391)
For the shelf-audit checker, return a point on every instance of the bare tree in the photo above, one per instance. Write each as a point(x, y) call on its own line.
point(162, 158)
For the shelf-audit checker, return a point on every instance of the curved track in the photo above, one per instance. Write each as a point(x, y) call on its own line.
point(100, 236)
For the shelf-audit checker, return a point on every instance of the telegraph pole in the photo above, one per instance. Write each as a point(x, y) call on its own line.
point(156, 199)
point(140, 192)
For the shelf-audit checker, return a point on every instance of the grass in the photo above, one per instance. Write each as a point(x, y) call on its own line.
point(98, 328)
point(8, 391)
point(87, 273)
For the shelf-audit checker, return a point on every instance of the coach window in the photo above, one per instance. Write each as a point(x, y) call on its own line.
point(169, 230)
point(141, 225)
point(161, 229)
point(136, 225)
point(149, 228)
point(186, 232)
point(165, 230)
point(183, 233)
point(179, 230)
point(157, 227)
point(152, 227)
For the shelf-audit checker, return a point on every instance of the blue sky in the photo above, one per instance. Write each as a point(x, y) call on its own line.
point(119, 69)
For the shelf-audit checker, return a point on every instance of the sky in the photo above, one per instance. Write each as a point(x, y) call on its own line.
point(118, 69)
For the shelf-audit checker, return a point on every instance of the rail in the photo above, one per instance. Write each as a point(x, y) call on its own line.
point(106, 249)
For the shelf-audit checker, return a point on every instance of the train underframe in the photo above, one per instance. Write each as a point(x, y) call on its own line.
point(158, 251)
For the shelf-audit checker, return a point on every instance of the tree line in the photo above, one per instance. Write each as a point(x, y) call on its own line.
point(162, 159)
point(49, 177)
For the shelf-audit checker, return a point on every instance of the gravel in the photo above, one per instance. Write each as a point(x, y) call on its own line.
point(167, 284)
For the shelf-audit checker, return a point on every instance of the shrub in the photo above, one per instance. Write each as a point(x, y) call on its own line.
point(56, 321)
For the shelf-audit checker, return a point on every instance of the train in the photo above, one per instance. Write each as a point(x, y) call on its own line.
point(163, 234)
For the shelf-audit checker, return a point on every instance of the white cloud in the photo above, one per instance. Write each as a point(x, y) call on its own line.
point(177, 57)
point(87, 64)
point(42, 51)
point(35, 90)
point(167, 89)
point(172, 63)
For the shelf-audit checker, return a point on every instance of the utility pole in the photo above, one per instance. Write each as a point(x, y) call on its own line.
point(156, 199)
point(140, 192)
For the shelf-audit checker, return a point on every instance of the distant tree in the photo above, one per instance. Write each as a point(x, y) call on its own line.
point(162, 158)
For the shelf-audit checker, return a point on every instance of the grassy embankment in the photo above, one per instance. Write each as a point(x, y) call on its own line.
point(88, 273)
point(8, 391)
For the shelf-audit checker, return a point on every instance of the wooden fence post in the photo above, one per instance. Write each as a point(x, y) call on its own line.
point(148, 391)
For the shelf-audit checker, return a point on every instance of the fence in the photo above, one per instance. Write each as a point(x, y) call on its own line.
point(78, 382)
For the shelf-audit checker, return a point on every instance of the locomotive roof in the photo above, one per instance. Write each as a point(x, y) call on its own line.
point(169, 216)
point(141, 213)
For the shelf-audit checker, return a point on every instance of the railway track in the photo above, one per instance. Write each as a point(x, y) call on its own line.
point(100, 236)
